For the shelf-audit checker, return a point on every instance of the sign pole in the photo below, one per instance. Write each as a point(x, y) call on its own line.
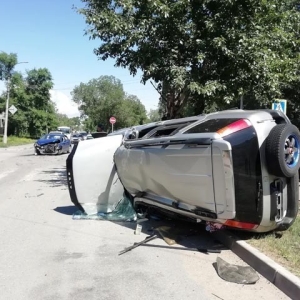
point(112, 121)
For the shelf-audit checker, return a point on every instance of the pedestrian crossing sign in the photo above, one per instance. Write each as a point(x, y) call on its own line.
point(279, 104)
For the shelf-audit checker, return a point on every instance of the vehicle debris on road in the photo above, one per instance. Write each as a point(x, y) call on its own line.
point(146, 240)
point(235, 273)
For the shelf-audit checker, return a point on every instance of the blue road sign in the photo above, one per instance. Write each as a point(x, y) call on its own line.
point(280, 104)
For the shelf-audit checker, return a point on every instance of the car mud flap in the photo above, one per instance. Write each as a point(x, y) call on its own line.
point(94, 185)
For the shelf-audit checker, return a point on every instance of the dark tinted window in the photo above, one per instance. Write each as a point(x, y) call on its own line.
point(164, 132)
point(211, 125)
point(167, 130)
point(143, 132)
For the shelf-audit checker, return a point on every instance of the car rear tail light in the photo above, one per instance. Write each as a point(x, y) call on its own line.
point(241, 225)
point(234, 127)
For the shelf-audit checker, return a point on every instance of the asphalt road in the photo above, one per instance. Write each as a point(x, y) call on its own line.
point(45, 254)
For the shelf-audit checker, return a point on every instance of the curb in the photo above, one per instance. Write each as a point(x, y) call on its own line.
point(284, 280)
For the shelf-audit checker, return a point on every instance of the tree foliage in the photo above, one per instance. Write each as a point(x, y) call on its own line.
point(7, 64)
point(207, 51)
point(154, 115)
point(30, 94)
point(64, 120)
point(104, 97)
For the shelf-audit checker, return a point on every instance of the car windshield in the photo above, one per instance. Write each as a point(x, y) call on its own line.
point(50, 137)
point(83, 133)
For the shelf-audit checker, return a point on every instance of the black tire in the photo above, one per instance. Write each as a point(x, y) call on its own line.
point(37, 152)
point(293, 203)
point(282, 139)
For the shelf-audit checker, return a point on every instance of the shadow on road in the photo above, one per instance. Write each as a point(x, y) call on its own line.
point(29, 154)
point(66, 210)
point(55, 177)
point(177, 234)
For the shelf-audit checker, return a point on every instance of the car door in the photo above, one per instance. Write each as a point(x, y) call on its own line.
point(63, 144)
point(66, 143)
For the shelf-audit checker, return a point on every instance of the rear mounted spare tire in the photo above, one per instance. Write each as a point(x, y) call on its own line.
point(282, 150)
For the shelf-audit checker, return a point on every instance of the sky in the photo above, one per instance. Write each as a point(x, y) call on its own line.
point(50, 34)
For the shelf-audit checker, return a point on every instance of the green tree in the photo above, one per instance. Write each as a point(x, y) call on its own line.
point(41, 113)
point(154, 115)
point(101, 98)
point(75, 123)
point(19, 123)
point(132, 112)
point(31, 95)
point(7, 64)
point(207, 51)
point(62, 119)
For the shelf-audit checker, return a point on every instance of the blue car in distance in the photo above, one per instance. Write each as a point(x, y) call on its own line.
point(53, 143)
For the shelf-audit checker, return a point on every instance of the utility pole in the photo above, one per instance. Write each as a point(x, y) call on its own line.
point(7, 104)
point(47, 120)
point(6, 111)
point(242, 102)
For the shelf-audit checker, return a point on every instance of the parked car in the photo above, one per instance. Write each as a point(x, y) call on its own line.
point(83, 134)
point(235, 168)
point(52, 143)
point(76, 138)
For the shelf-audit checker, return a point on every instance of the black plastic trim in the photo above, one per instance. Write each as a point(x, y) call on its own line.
point(70, 178)
point(197, 211)
point(247, 175)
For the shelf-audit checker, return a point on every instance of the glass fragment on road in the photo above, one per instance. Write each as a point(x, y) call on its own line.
point(123, 211)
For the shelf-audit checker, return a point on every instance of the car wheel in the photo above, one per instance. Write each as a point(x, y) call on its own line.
point(37, 152)
point(282, 150)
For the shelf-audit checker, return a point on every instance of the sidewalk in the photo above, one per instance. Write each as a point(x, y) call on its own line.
point(284, 280)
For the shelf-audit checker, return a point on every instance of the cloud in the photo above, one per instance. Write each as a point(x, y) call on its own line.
point(64, 103)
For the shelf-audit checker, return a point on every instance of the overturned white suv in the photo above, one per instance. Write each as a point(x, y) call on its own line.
point(237, 168)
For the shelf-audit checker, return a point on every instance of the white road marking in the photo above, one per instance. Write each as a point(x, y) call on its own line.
point(30, 176)
point(4, 174)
